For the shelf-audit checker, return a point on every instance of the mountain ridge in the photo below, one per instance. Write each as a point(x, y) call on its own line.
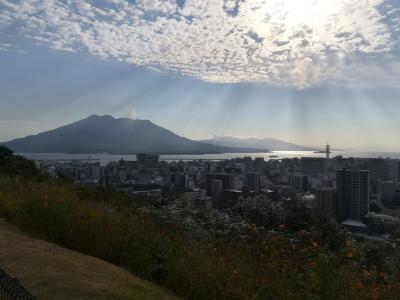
point(106, 134)
point(268, 143)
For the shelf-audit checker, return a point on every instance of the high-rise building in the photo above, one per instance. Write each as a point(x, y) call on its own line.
point(326, 201)
point(378, 168)
point(147, 160)
point(398, 171)
point(177, 180)
point(313, 164)
point(387, 189)
point(252, 181)
point(298, 183)
point(227, 179)
point(352, 197)
point(326, 164)
point(217, 193)
point(259, 161)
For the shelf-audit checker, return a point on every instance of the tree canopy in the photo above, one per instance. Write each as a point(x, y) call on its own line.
point(14, 165)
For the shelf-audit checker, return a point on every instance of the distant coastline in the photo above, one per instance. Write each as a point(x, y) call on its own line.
point(105, 158)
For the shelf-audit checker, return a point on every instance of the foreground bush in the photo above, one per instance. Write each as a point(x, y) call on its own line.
point(244, 261)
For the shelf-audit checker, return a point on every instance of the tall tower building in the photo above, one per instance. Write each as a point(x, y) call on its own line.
point(227, 179)
point(298, 182)
point(217, 193)
point(398, 171)
point(328, 150)
point(379, 169)
point(326, 201)
point(352, 198)
point(326, 164)
point(252, 180)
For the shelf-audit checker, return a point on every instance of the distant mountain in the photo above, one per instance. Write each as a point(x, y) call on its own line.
point(105, 134)
point(267, 143)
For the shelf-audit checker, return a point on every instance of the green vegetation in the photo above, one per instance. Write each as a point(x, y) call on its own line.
point(55, 273)
point(14, 165)
point(254, 251)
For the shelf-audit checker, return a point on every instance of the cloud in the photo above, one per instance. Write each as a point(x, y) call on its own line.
point(133, 114)
point(6, 47)
point(293, 43)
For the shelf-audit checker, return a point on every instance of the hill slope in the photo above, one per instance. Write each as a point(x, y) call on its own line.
point(105, 134)
point(267, 143)
point(52, 272)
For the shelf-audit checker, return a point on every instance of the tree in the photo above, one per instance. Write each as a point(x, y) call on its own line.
point(5, 153)
point(14, 165)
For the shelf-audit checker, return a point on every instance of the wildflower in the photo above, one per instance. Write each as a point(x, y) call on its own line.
point(349, 254)
point(376, 293)
point(349, 243)
point(359, 285)
point(312, 264)
point(315, 245)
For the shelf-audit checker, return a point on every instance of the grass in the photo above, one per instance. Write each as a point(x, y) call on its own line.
point(264, 254)
point(255, 264)
point(49, 271)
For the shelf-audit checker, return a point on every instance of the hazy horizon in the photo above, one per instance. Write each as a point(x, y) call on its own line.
point(303, 202)
point(306, 72)
point(321, 146)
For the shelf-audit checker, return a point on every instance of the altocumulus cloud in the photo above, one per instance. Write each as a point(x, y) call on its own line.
point(291, 43)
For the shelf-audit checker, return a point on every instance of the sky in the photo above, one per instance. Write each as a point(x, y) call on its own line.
point(305, 71)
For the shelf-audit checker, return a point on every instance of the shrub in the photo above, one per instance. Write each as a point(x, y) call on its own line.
point(14, 165)
point(235, 259)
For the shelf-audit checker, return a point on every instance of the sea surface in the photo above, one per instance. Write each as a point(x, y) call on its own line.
point(106, 158)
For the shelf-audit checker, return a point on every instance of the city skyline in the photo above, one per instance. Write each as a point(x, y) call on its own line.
point(347, 93)
point(212, 149)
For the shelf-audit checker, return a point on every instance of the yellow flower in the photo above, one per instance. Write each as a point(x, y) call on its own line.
point(376, 293)
point(349, 254)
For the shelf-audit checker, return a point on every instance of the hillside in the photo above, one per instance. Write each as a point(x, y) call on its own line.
point(105, 134)
point(52, 272)
point(266, 143)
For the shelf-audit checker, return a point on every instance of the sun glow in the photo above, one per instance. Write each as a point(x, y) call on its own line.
point(296, 43)
point(297, 13)
point(313, 13)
